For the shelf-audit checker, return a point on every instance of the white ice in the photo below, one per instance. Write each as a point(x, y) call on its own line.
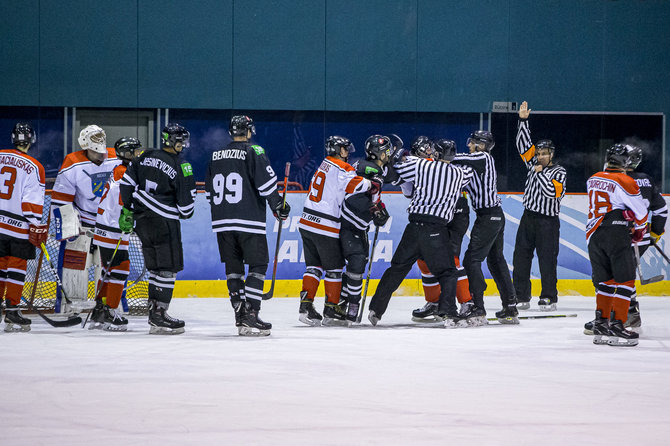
point(540, 383)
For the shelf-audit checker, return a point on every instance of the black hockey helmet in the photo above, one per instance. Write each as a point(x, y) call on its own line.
point(126, 146)
point(240, 125)
point(617, 155)
point(335, 142)
point(635, 155)
point(483, 137)
point(375, 145)
point(422, 147)
point(174, 133)
point(23, 134)
point(545, 144)
point(446, 149)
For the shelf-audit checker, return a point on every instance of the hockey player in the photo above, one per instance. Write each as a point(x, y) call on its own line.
point(457, 227)
point(238, 183)
point(487, 235)
point(319, 228)
point(157, 190)
point(358, 211)
point(21, 200)
point(539, 229)
point(614, 202)
point(107, 237)
point(81, 182)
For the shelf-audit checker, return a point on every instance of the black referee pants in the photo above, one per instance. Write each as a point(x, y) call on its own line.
point(487, 242)
point(430, 242)
point(537, 232)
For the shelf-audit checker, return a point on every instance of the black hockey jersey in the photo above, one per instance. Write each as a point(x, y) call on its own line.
point(238, 182)
point(158, 182)
point(658, 209)
point(356, 208)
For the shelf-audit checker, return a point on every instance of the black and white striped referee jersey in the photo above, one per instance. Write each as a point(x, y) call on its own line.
point(437, 186)
point(545, 189)
point(483, 188)
point(238, 182)
point(160, 183)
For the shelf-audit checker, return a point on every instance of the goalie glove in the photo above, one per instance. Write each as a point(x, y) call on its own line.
point(379, 214)
point(37, 234)
point(281, 211)
point(126, 221)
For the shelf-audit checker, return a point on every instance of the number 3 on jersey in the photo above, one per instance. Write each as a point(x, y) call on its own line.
point(316, 188)
point(229, 187)
point(7, 186)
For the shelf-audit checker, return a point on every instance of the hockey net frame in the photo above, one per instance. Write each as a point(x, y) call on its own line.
point(136, 292)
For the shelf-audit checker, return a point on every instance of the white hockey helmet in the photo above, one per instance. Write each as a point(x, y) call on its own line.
point(93, 138)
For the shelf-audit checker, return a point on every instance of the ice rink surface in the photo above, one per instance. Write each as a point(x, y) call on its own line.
point(539, 383)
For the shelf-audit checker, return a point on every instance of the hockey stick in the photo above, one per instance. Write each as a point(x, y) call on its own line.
point(269, 294)
point(543, 316)
point(367, 278)
point(660, 251)
point(644, 281)
point(102, 281)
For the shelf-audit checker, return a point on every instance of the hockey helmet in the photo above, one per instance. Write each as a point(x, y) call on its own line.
point(23, 134)
point(125, 147)
point(545, 144)
point(617, 155)
point(174, 133)
point(375, 145)
point(445, 149)
point(240, 125)
point(93, 138)
point(635, 155)
point(335, 142)
point(422, 147)
point(483, 137)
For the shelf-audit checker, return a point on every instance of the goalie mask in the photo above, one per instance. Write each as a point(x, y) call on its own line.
point(125, 148)
point(174, 133)
point(93, 138)
point(23, 134)
point(240, 126)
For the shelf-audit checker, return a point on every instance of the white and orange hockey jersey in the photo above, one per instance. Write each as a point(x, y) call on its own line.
point(611, 190)
point(331, 183)
point(107, 232)
point(82, 183)
point(21, 193)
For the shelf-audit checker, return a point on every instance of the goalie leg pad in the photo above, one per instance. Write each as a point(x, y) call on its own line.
point(76, 261)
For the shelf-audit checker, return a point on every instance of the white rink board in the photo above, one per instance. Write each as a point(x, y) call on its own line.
point(540, 383)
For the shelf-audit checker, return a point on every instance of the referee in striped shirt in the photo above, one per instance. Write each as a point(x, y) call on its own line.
point(539, 227)
point(437, 187)
point(487, 235)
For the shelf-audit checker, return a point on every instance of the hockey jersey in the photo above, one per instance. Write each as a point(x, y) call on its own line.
point(107, 232)
point(331, 183)
point(483, 189)
point(658, 209)
point(356, 213)
point(238, 182)
point(82, 183)
point(609, 193)
point(21, 193)
point(159, 183)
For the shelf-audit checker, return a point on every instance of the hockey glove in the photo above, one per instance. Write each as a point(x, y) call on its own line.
point(375, 186)
point(628, 215)
point(379, 214)
point(126, 221)
point(638, 234)
point(281, 212)
point(37, 234)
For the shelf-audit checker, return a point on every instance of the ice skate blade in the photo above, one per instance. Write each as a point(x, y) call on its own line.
point(523, 306)
point(588, 332)
point(331, 322)
point(11, 327)
point(450, 323)
point(477, 321)
point(616, 341)
point(509, 320)
point(165, 330)
point(551, 307)
point(304, 318)
point(427, 320)
point(249, 331)
point(600, 339)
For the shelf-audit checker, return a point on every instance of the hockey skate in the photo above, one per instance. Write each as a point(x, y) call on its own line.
point(453, 320)
point(253, 325)
point(508, 315)
point(475, 316)
point(600, 327)
point(634, 321)
point(240, 309)
point(105, 318)
point(523, 305)
point(427, 313)
point(374, 318)
point(14, 320)
point(545, 304)
point(620, 337)
point(308, 314)
point(333, 316)
point(161, 322)
point(466, 307)
point(352, 312)
point(588, 328)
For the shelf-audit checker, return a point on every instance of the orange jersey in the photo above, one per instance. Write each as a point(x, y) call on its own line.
point(21, 192)
point(82, 183)
point(609, 191)
point(107, 232)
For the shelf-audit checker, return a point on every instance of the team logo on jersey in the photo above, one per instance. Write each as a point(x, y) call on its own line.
point(98, 181)
point(258, 149)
